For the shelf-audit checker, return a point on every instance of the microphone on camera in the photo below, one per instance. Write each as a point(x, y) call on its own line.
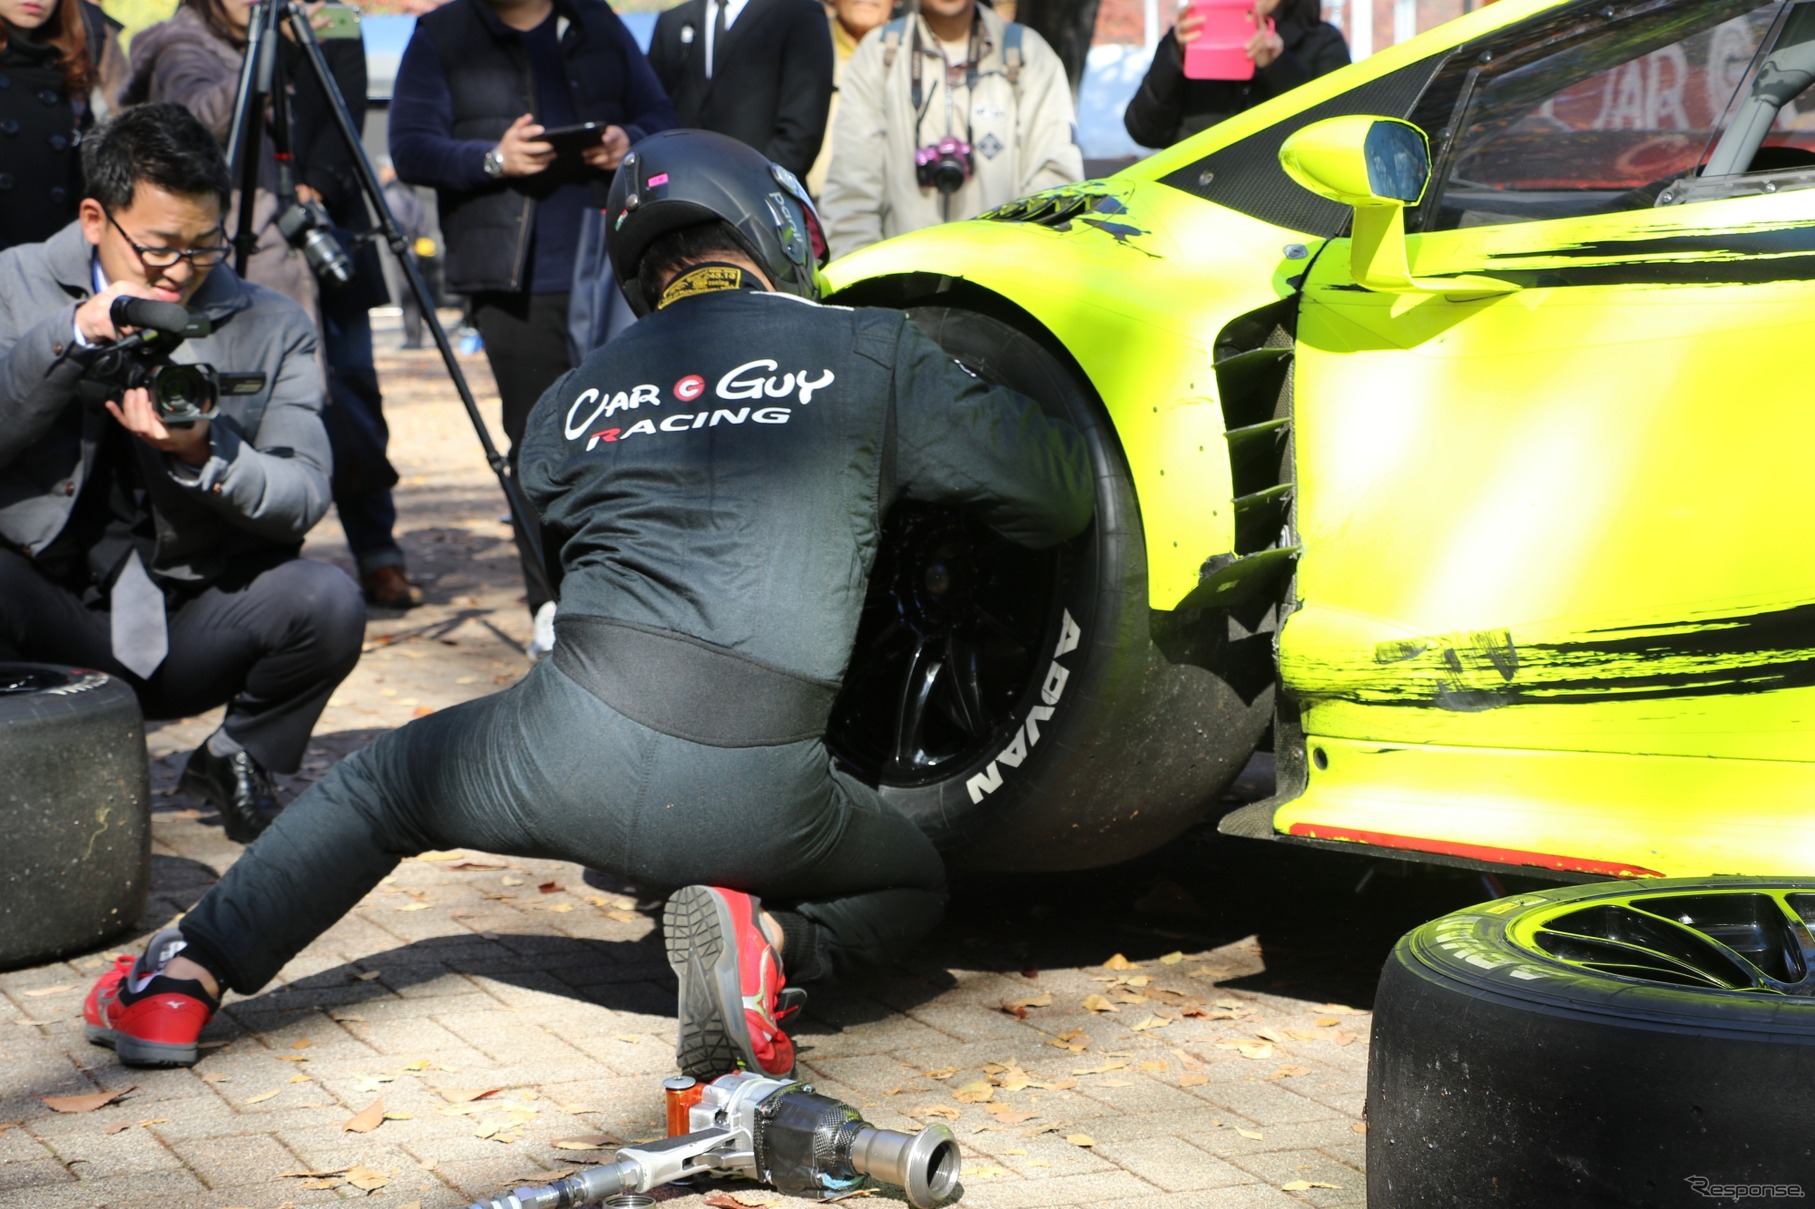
point(170, 318)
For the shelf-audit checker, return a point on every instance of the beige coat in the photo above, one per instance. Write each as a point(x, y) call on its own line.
point(1024, 136)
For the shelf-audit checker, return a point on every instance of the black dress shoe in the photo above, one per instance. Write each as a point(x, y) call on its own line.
point(235, 785)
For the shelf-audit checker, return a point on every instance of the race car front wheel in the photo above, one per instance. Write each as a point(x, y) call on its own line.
point(1615, 1044)
point(1027, 708)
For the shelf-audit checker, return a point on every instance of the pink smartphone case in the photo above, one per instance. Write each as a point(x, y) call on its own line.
point(1220, 50)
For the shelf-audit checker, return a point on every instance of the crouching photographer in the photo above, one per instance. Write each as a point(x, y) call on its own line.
point(161, 457)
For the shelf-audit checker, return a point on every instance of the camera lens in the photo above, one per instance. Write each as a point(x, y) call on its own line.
point(182, 393)
point(327, 258)
point(948, 175)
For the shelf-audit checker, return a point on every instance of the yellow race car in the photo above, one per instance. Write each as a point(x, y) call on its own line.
point(1450, 420)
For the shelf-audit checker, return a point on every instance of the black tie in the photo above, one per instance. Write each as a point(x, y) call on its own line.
point(718, 34)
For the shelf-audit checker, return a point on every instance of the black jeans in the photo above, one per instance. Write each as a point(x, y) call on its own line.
point(545, 770)
point(526, 344)
point(272, 639)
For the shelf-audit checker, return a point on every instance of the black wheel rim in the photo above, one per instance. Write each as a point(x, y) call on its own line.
point(955, 634)
point(22, 680)
point(1744, 939)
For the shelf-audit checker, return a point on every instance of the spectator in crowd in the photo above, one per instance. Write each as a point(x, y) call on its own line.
point(510, 208)
point(194, 60)
point(1300, 47)
point(943, 114)
point(732, 558)
point(849, 21)
point(413, 221)
point(51, 56)
point(757, 70)
point(166, 554)
point(363, 474)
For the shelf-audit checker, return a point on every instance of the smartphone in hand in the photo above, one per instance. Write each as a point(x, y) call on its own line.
point(1220, 50)
point(570, 141)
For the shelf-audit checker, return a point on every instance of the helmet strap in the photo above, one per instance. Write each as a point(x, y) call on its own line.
point(709, 277)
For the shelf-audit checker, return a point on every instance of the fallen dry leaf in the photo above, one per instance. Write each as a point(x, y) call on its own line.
point(743, 1200)
point(1327, 1021)
point(41, 991)
point(262, 1096)
point(1359, 1127)
point(1080, 1139)
point(623, 916)
point(310, 1175)
point(944, 1072)
point(1096, 1003)
point(551, 887)
point(368, 1120)
point(1075, 1040)
point(974, 1093)
point(1118, 962)
point(1255, 1134)
point(1099, 1070)
point(1302, 1185)
point(367, 1180)
point(85, 1103)
point(462, 1097)
point(1172, 958)
point(591, 1141)
point(1192, 1079)
point(1288, 1072)
point(476, 866)
point(937, 1110)
point(332, 1181)
point(213, 1076)
point(364, 975)
point(1152, 1022)
point(1257, 1051)
point(412, 907)
point(1007, 1115)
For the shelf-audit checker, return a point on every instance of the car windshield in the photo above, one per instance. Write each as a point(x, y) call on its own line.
point(1603, 113)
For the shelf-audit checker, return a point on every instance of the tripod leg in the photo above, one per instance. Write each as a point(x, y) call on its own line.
point(526, 522)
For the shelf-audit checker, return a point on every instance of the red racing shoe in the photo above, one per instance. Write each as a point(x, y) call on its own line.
point(732, 999)
point(145, 1017)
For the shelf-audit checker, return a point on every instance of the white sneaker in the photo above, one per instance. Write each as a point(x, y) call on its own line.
point(542, 642)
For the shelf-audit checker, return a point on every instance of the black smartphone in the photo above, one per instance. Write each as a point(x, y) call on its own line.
point(571, 140)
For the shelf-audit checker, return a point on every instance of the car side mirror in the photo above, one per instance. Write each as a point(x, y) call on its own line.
point(1378, 166)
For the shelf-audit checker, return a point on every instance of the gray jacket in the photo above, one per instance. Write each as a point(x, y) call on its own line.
point(265, 486)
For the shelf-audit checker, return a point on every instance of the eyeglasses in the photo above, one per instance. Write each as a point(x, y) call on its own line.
point(164, 258)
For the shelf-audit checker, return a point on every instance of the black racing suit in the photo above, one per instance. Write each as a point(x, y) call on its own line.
point(714, 481)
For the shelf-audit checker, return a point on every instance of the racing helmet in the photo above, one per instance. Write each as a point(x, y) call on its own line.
point(679, 178)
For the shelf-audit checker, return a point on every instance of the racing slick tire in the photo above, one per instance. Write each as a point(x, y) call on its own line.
point(1635, 1043)
point(76, 801)
point(1026, 708)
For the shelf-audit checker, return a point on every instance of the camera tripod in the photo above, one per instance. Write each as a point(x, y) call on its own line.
point(262, 87)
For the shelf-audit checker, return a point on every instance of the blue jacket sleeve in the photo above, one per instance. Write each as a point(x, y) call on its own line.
point(423, 147)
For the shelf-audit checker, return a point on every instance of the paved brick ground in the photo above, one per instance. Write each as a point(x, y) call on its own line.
point(1184, 1031)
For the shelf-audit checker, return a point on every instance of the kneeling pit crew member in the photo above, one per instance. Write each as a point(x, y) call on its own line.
point(713, 484)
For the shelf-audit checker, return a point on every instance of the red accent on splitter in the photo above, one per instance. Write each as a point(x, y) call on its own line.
point(1476, 852)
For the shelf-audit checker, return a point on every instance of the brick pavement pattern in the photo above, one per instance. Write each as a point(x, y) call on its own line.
point(507, 1021)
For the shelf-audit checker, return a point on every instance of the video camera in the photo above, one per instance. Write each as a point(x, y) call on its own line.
point(944, 165)
point(182, 394)
point(776, 1130)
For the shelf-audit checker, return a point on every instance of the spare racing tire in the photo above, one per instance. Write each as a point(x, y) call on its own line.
point(76, 800)
point(1026, 708)
point(1616, 1044)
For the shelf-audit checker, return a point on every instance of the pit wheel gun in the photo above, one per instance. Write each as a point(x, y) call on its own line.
point(774, 1130)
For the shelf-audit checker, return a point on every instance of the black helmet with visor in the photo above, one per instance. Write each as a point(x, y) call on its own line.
point(681, 178)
